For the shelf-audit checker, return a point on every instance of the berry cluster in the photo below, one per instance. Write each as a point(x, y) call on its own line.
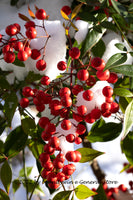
point(18, 45)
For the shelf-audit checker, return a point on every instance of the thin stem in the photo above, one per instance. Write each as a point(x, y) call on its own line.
point(36, 183)
point(26, 185)
point(63, 186)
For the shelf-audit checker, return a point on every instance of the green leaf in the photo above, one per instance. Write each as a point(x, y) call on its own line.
point(31, 77)
point(28, 126)
point(30, 184)
point(4, 83)
point(13, 2)
point(104, 132)
point(115, 5)
point(3, 195)
point(83, 192)
point(100, 194)
point(27, 171)
point(121, 47)
point(91, 39)
point(128, 119)
point(108, 25)
point(123, 103)
point(16, 184)
point(2, 125)
point(88, 154)
point(122, 92)
point(18, 63)
point(10, 106)
point(15, 142)
point(62, 195)
point(127, 147)
point(131, 53)
point(36, 148)
point(127, 70)
point(125, 168)
point(6, 175)
point(116, 59)
point(99, 49)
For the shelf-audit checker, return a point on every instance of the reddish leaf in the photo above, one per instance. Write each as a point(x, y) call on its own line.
point(31, 13)
point(23, 17)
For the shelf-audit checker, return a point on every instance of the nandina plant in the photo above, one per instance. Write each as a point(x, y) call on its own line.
point(87, 90)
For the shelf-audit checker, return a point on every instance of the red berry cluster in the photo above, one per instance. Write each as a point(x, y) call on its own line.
point(18, 45)
point(110, 191)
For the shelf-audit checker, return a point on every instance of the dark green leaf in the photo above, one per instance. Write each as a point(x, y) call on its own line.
point(115, 60)
point(131, 53)
point(13, 2)
point(62, 195)
point(126, 70)
point(10, 106)
point(88, 154)
point(128, 119)
point(99, 49)
point(28, 126)
point(16, 184)
point(91, 39)
point(3, 195)
point(4, 83)
point(115, 5)
point(125, 168)
point(83, 192)
point(123, 103)
point(6, 175)
point(15, 142)
point(97, 28)
point(121, 47)
point(18, 63)
point(130, 9)
point(108, 25)
point(100, 194)
point(127, 147)
point(31, 77)
point(2, 125)
point(122, 92)
point(104, 132)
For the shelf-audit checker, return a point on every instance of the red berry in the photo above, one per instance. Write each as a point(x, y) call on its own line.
point(96, 113)
point(78, 156)
point(89, 118)
point(9, 57)
point(45, 80)
point(91, 80)
point(109, 99)
point(66, 124)
point(61, 157)
point(80, 129)
point(54, 142)
point(22, 55)
point(62, 65)
point(113, 78)
point(28, 51)
point(45, 136)
point(60, 176)
point(44, 173)
point(71, 156)
point(122, 188)
point(18, 46)
point(29, 24)
point(103, 75)
point(66, 101)
point(41, 14)
point(78, 140)
point(27, 91)
point(40, 108)
point(82, 110)
point(76, 89)
point(7, 48)
point(70, 138)
point(41, 65)
point(107, 91)
point(78, 117)
point(114, 107)
point(105, 107)
point(68, 169)
point(53, 185)
point(66, 10)
point(65, 91)
point(31, 33)
point(83, 74)
point(35, 54)
point(43, 121)
point(50, 128)
point(98, 63)
point(44, 157)
point(57, 163)
point(48, 149)
point(48, 166)
point(24, 102)
point(88, 95)
point(74, 52)
point(51, 177)
point(18, 27)
point(11, 30)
